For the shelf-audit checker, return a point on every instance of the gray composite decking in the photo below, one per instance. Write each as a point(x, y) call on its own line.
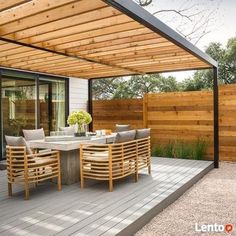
point(94, 210)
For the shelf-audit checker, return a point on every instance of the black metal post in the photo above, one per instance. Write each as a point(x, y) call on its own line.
point(1, 125)
point(67, 97)
point(90, 102)
point(50, 112)
point(216, 117)
point(38, 114)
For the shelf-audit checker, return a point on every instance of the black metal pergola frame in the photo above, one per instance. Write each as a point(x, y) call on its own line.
point(142, 16)
point(135, 14)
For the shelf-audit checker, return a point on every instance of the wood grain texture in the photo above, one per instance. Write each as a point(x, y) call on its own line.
point(109, 162)
point(176, 116)
point(107, 114)
point(109, 42)
point(33, 168)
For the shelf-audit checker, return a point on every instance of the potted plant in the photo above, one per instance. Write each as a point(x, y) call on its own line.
point(81, 119)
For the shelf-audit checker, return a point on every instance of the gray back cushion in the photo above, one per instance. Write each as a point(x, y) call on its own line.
point(68, 130)
point(125, 136)
point(18, 141)
point(142, 133)
point(33, 134)
point(121, 128)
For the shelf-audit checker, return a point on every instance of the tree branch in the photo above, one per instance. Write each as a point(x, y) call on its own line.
point(175, 11)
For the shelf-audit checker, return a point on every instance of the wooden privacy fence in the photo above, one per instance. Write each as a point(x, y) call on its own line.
point(175, 116)
point(108, 113)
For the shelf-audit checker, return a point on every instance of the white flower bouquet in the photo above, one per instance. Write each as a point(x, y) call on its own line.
point(81, 119)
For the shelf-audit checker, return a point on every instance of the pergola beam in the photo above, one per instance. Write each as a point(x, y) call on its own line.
point(94, 39)
point(142, 16)
point(99, 39)
point(82, 58)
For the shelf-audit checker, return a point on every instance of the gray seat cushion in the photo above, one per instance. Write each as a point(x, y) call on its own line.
point(142, 133)
point(68, 130)
point(121, 128)
point(18, 141)
point(33, 134)
point(125, 136)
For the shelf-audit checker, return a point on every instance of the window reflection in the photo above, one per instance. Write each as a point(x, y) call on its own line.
point(19, 103)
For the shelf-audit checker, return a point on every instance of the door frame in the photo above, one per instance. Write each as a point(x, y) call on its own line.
point(37, 77)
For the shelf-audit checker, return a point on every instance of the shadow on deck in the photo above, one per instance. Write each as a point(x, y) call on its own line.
point(94, 210)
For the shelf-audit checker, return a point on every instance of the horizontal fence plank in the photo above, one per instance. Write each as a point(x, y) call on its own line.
point(174, 116)
point(108, 113)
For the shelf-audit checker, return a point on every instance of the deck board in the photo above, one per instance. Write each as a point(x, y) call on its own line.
point(94, 210)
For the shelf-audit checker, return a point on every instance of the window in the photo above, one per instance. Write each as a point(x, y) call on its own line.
point(30, 101)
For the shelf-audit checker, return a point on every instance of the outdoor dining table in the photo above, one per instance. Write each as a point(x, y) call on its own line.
point(69, 154)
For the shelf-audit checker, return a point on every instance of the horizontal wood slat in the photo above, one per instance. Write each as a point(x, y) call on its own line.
point(183, 116)
point(106, 114)
point(109, 42)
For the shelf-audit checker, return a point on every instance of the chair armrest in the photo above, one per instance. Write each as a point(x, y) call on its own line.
point(94, 144)
point(16, 147)
point(43, 154)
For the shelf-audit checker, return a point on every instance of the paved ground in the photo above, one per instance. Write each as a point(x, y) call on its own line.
point(212, 200)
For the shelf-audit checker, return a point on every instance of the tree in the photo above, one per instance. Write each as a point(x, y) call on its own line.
point(229, 71)
point(104, 88)
point(133, 87)
point(143, 3)
point(192, 19)
point(226, 58)
point(197, 83)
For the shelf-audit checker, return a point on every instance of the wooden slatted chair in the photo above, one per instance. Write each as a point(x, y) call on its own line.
point(108, 162)
point(35, 134)
point(114, 161)
point(31, 168)
point(144, 153)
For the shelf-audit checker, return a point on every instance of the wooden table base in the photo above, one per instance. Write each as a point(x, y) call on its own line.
point(70, 167)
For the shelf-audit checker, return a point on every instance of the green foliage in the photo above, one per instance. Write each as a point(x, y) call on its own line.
point(199, 81)
point(181, 149)
point(158, 151)
point(16, 126)
point(199, 149)
point(166, 150)
point(169, 149)
point(80, 118)
point(226, 58)
point(136, 86)
point(133, 87)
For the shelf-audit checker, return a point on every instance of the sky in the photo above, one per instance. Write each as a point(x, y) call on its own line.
point(220, 13)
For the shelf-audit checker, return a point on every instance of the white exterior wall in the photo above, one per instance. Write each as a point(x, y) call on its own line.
point(78, 94)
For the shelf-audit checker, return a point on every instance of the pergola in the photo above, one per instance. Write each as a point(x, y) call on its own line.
point(95, 39)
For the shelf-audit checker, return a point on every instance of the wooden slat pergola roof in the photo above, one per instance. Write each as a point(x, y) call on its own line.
point(91, 39)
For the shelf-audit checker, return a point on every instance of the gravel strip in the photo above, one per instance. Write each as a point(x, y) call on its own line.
point(211, 200)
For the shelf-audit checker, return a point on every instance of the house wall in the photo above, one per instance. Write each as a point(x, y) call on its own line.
point(78, 94)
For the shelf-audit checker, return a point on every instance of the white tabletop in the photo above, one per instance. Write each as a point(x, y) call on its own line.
point(67, 145)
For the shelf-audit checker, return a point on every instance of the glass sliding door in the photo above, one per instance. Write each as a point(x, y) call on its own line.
point(18, 105)
point(30, 101)
point(52, 94)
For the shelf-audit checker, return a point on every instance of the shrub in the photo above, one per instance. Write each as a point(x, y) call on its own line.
point(158, 150)
point(181, 149)
point(168, 149)
point(199, 150)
